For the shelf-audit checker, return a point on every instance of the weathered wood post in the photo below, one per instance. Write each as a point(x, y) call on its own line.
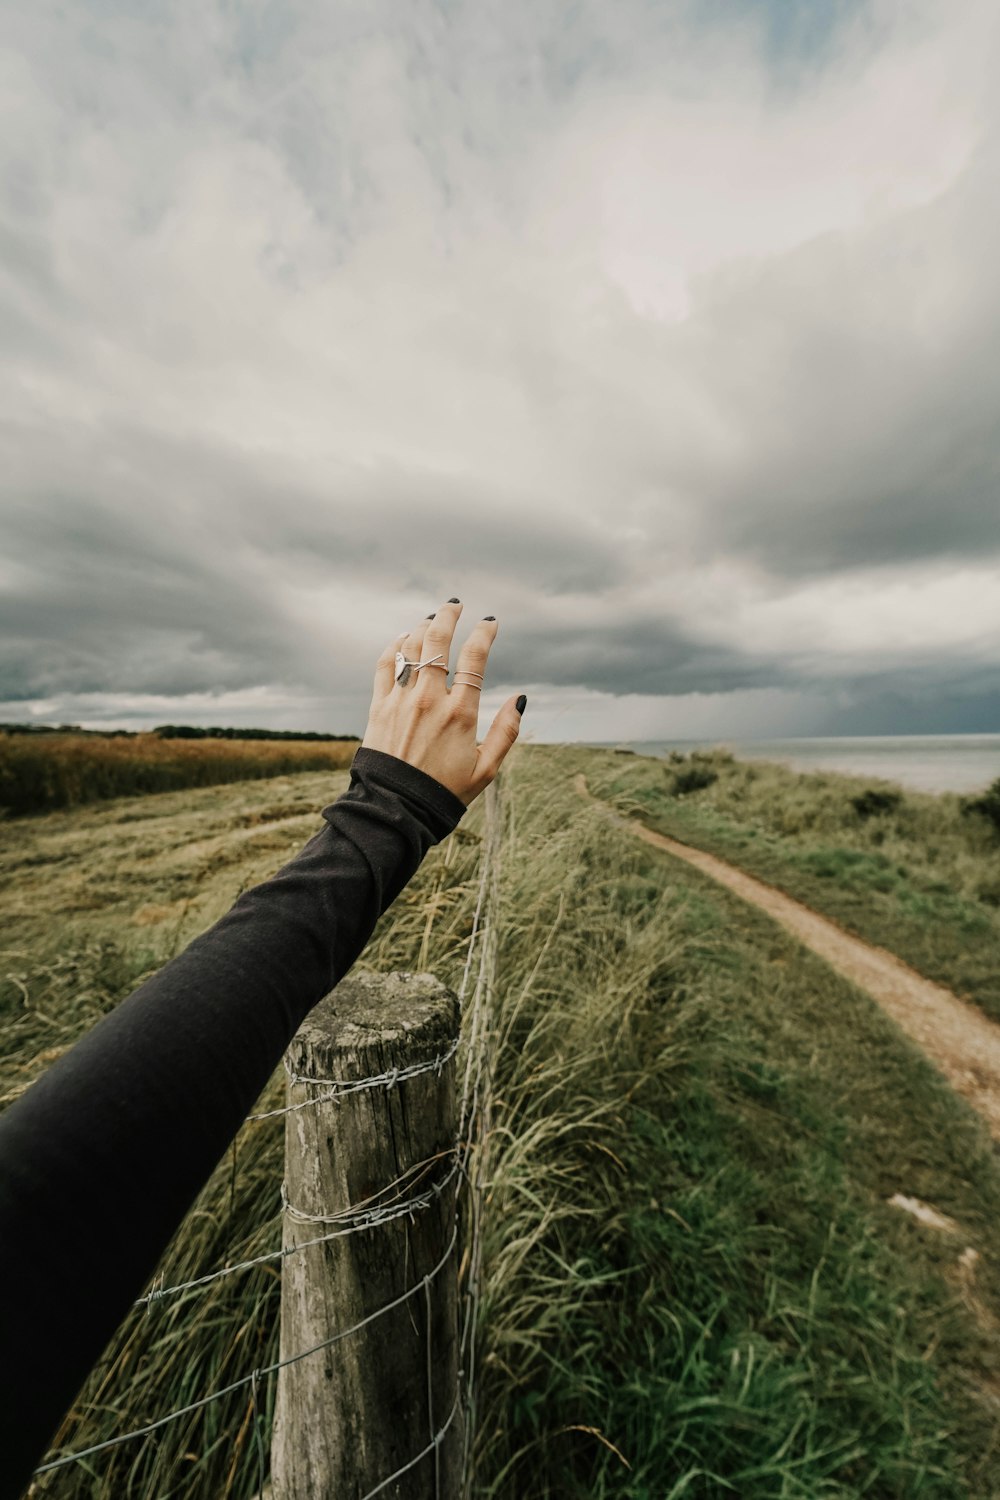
point(375, 1166)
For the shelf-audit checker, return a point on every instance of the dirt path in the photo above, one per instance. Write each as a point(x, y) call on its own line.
point(963, 1043)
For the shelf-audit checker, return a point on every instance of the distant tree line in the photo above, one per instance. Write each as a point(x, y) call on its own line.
point(116, 734)
point(190, 732)
point(177, 732)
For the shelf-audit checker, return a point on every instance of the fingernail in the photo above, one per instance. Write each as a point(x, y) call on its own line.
point(428, 617)
point(489, 617)
point(454, 601)
point(521, 703)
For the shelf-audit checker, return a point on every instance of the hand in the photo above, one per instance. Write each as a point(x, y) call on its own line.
point(421, 720)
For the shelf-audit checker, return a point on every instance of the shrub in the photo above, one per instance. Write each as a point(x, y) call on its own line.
point(693, 779)
point(987, 806)
point(873, 802)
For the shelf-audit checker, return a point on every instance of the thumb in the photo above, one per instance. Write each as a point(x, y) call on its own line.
point(500, 736)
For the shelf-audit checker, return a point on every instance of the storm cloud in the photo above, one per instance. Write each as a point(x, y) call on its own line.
point(665, 333)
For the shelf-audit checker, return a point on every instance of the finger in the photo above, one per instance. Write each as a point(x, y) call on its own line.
point(385, 667)
point(501, 735)
point(474, 655)
point(437, 642)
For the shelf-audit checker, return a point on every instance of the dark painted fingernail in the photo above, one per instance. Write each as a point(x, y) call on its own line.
point(521, 703)
point(428, 617)
point(454, 601)
point(489, 617)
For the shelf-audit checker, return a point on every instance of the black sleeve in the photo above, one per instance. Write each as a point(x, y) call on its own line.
point(112, 1145)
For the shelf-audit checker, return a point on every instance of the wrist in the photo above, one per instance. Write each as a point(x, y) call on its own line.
point(402, 776)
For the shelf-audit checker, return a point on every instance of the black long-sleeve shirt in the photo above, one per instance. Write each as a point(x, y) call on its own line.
point(113, 1144)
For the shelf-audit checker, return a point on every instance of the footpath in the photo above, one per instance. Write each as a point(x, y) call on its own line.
point(962, 1042)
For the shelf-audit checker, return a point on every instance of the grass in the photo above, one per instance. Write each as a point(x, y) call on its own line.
point(40, 772)
point(909, 871)
point(694, 1283)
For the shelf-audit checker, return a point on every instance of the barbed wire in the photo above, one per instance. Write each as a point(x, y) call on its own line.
point(366, 1215)
point(368, 1218)
point(339, 1088)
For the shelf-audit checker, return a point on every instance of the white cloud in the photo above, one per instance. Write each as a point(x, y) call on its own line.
point(850, 622)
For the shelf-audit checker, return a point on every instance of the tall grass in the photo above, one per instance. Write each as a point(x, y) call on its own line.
point(693, 1284)
point(40, 772)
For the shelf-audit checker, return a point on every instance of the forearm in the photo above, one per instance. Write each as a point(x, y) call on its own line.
point(117, 1139)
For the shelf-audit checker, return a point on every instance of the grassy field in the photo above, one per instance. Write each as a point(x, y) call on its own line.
point(695, 1284)
point(40, 772)
point(907, 870)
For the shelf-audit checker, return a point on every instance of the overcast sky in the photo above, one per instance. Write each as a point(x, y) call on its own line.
point(665, 332)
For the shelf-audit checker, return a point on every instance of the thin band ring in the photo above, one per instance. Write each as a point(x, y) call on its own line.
point(402, 673)
point(476, 685)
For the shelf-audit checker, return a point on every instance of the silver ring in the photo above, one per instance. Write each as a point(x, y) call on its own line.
point(402, 676)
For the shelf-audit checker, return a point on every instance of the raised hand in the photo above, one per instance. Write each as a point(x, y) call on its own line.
point(418, 718)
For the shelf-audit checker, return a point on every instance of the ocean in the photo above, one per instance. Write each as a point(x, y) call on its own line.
point(925, 763)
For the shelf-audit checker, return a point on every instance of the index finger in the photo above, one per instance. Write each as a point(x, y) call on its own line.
point(385, 667)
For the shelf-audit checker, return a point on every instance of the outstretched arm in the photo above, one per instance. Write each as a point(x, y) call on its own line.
point(116, 1140)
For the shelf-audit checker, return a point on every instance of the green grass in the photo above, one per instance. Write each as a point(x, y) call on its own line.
point(921, 878)
point(694, 1283)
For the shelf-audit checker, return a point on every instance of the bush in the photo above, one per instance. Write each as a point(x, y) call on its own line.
point(693, 779)
point(987, 806)
point(873, 803)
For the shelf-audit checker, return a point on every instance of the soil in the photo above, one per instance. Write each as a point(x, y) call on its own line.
point(957, 1037)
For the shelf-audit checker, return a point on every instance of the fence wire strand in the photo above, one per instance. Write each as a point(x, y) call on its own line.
point(254, 1375)
point(350, 1221)
point(476, 1115)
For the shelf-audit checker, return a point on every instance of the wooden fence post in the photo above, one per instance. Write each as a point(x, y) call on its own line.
point(353, 1414)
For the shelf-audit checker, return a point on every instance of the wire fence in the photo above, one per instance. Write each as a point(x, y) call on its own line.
point(395, 1200)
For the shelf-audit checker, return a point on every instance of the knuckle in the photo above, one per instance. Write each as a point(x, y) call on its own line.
point(460, 710)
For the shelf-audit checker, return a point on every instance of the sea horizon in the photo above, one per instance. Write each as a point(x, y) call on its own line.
point(964, 763)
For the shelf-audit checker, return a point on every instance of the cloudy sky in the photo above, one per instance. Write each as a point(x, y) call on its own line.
point(666, 332)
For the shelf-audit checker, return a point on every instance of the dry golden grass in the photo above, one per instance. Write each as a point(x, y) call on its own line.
point(38, 773)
